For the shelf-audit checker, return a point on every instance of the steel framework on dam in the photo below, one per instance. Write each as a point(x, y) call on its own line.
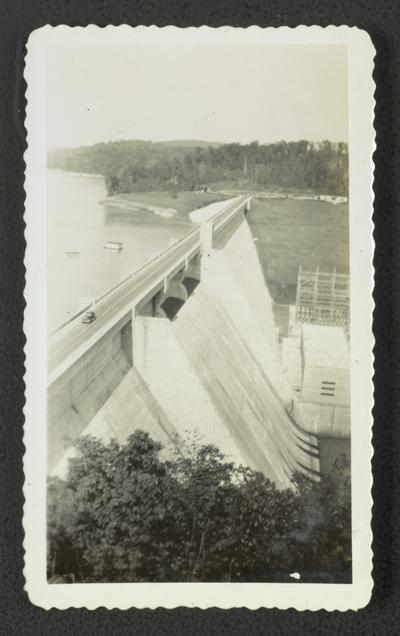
point(323, 298)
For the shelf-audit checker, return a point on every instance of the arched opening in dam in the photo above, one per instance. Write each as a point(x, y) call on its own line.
point(190, 284)
point(171, 306)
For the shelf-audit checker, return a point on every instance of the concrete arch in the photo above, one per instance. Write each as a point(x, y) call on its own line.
point(171, 306)
point(190, 284)
point(173, 298)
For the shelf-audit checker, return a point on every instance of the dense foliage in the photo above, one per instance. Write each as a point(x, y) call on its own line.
point(124, 514)
point(129, 166)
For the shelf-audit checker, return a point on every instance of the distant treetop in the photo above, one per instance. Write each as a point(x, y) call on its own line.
point(128, 166)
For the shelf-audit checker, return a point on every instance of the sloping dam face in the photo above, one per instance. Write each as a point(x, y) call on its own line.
point(215, 371)
point(240, 390)
point(227, 331)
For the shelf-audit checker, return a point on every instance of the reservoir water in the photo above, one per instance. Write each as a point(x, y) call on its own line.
point(79, 268)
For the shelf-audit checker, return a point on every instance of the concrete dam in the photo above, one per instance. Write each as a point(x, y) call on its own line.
point(187, 345)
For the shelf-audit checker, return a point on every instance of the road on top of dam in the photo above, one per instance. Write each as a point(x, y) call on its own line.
point(73, 336)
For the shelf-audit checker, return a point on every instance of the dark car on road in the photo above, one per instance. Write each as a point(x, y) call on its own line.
point(89, 316)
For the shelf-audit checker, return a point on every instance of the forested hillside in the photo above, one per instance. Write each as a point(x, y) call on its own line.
point(302, 166)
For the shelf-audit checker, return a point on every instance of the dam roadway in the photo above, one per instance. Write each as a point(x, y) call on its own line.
point(74, 338)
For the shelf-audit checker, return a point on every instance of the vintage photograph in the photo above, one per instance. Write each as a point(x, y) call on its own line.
point(196, 307)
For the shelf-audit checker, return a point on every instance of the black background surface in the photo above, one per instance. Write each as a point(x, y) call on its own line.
point(382, 21)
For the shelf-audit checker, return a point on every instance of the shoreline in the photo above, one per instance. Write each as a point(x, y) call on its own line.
point(90, 175)
point(259, 194)
point(138, 206)
point(117, 201)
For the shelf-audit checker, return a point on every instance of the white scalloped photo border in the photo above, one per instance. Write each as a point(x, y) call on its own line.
point(361, 146)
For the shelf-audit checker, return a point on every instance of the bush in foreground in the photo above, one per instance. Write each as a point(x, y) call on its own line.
point(123, 514)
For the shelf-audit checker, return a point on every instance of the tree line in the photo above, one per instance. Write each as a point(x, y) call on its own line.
point(124, 514)
point(301, 166)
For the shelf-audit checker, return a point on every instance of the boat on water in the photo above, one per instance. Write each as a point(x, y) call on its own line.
point(73, 250)
point(113, 245)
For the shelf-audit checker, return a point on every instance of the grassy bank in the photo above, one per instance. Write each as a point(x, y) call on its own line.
point(291, 233)
point(184, 202)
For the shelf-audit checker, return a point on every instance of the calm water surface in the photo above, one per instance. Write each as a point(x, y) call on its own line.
point(78, 221)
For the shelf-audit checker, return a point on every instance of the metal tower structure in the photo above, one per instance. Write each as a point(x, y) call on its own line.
point(323, 298)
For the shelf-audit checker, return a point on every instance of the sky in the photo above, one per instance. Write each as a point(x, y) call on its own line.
point(225, 94)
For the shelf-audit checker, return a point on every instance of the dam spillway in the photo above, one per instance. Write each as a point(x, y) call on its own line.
point(212, 368)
